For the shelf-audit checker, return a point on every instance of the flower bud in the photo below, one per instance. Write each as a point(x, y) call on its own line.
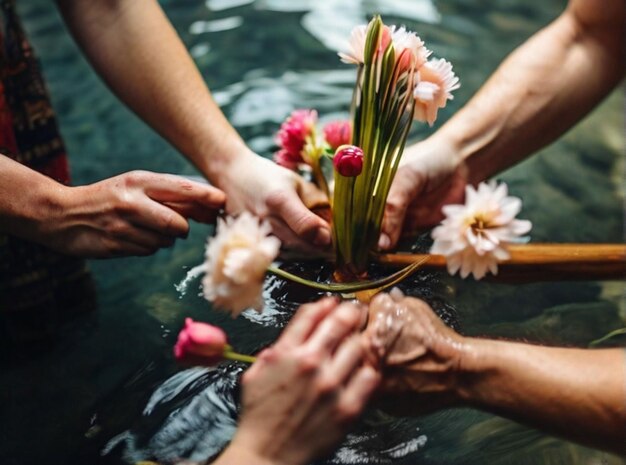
point(200, 344)
point(348, 160)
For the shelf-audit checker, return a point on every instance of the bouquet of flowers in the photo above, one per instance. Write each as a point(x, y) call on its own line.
point(354, 162)
point(396, 83)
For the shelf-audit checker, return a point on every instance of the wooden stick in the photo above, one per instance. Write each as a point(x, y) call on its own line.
point(540, 262)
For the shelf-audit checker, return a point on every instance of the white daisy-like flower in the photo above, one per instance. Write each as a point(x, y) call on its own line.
point(474, 237)
point(355, 54)
point(435, 84)
point(404, 39)
point(236, 262)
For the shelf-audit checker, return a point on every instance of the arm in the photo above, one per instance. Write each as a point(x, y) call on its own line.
point(579, 394)
point(132, 214)
point(135, 49)
point(312, 381)
point(539, 92)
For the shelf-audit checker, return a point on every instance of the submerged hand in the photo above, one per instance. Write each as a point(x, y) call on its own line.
point(302, 394)
point(270, 191)
point(134, 213)
point(418, 353)
point(428, 178)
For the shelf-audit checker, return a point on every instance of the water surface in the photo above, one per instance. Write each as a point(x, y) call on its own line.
point(263, 59)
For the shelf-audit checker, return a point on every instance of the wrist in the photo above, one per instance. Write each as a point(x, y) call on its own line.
point(36, 207)
point(476, 366)
point(222, 166)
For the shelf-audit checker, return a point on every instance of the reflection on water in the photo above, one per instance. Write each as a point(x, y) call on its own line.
point(115, 382)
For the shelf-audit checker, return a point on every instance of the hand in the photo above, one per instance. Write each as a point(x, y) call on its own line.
point(270, 191)
point(418, 354)
point(429, 177)
point(302, 394)
point(134, 213)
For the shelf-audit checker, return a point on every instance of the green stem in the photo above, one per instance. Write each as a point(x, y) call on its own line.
point(230, 355)
point(346, 288)
point(606, 337)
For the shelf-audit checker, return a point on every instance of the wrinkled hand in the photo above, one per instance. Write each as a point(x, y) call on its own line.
point(418, 354)
point(134, 213)
point(428, 178)
point(270, 191)
point(303, 393)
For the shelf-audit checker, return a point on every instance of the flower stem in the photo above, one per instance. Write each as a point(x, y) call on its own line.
point(346, 288)
point(231, 355)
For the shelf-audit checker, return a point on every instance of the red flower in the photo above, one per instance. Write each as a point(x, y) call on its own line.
point(338, 133)
point(200, 344)
point(348, 160)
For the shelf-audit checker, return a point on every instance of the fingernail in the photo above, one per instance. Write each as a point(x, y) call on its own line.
point(384, 241)
point(322, 238)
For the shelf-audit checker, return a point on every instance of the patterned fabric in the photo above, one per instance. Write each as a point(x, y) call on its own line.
point(39, 289)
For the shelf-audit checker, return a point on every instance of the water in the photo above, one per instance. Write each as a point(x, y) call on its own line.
point(113, 372)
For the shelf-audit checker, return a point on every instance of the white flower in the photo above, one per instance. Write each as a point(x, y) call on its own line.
point(474, 236)
point(236, 261)
point(435, 84)
point(355, 55)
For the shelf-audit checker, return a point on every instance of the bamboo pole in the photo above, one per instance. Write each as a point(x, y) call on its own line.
point(540, 262)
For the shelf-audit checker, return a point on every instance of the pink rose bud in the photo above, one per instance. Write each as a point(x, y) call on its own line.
point(200, 344)
point(348, 160)
point(338, 133)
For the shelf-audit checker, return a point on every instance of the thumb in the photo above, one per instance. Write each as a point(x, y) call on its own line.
point(395, 212)
point(287, 205)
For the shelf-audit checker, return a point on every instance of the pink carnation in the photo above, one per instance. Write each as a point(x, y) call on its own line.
point(338, 133)
point(434, 88)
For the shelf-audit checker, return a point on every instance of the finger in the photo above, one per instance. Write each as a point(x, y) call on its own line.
point(171, 188)
point(194, 211)
point(145, 238)
point(289, 241)
point(158, 218)
point(393, 220)
point(344, 320)
point(305, 224)
point(119, 248)
point(348, 357)
point(305, 321)
point(357, 392)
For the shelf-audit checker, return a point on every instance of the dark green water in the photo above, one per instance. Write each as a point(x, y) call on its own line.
point(263, 59)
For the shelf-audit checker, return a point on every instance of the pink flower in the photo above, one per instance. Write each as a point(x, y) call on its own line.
point(434, 88)
point(286, 160)
point(348, 160)
point(293, 134)
point(200, 344)
point(338, 133)
point(474, 236)
point(407, 40)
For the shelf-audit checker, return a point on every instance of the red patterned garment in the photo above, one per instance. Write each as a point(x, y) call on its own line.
point(39, 289)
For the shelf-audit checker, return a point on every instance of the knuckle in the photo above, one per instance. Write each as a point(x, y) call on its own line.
point(276, 199)
point(135, 178)
point(307, 362)
point(326, 385)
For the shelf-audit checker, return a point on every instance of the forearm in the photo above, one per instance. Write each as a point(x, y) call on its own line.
point(135, 49)
point(541, 90)
point(575, 393)
point(25, 197)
